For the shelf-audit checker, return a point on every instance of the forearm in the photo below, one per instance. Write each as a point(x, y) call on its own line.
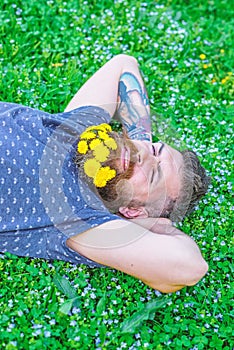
point(133, 106)
point(189, 272)
point(163, 262)
point(119, 89)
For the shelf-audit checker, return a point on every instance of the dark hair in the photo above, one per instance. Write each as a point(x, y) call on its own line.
point(194, 185)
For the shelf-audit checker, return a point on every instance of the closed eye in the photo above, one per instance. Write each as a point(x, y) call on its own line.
point(153, 148)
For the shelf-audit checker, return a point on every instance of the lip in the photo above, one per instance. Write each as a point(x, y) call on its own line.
point(125, 158)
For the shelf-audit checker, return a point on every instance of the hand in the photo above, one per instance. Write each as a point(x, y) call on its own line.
point(161, 226)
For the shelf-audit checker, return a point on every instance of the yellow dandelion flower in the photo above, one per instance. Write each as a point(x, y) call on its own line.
point(91, 167)
point(202, 56)
point(103, 135)
point(98, 182)
point(88, 135)
point(103, 127)
point(222, 51)
point(205, 66)
point(82, 147)
point(110, 143)
point(223, 81)
point(94, 143)
point(103, 175)
point(111, 173)
point(101, 153)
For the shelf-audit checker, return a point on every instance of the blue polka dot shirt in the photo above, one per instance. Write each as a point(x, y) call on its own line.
point(42, 199)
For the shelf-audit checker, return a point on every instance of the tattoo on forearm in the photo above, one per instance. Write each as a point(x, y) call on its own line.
point(134, 111)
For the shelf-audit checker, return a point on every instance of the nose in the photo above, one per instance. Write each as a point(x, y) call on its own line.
point(143, 155)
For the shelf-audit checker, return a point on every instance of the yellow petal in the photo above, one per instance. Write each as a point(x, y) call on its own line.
point(94, 143)
point(103, 135)
point(82, 147)
point(88, 135)
point(103, 175)
point(111, 143)
point(91, 167)
point(202, 56)
point(103, 127)
point(101, 153)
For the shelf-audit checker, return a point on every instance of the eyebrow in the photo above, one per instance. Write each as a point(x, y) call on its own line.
point(161, 148)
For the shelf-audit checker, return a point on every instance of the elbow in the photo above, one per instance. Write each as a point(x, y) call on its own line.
point(125, 59)
point(197, 272)
point(182, 276)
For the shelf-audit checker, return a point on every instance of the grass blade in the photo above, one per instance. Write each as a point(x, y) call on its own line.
point(64, 286)
point(101, 305)
point(133, 322)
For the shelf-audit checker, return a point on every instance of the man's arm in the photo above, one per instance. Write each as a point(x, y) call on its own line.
point(164, 262)
point(133, 106)
point(118, 88)
point(161, 226)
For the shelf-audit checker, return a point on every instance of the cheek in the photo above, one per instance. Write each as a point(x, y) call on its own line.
point(138, 185)
point(171, 183)
point(139, 180)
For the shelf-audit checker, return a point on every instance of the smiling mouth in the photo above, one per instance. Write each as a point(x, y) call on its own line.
point(125, 158)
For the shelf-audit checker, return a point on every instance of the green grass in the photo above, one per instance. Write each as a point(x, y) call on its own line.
point(185, 49)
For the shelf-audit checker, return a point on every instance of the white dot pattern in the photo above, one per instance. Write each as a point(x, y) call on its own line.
point(42, 200)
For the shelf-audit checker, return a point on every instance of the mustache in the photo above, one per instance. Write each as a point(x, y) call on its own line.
point(112, 192)
point(114, 160)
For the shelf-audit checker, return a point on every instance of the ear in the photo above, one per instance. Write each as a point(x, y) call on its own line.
point(131, 213)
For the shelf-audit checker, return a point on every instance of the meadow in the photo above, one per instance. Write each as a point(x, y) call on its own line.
point(185, 51)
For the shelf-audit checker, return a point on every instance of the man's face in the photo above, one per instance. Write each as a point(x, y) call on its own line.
point(156, 175)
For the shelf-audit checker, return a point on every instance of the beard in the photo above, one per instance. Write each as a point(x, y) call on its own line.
point(116, 193)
